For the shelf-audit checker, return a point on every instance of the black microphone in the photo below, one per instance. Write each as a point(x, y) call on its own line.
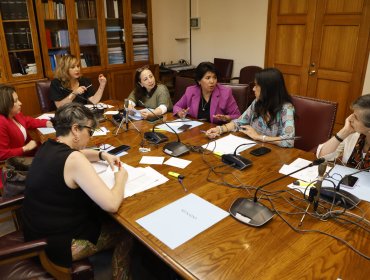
point(174, 149)
point(339, 196)
point(252, 212)
point(318, 184)
point(98, 113)
point(240, 162)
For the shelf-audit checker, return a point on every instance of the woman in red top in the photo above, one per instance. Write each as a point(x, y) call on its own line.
point(14, 139)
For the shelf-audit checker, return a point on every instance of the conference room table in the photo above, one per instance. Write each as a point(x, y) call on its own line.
point(230, 249)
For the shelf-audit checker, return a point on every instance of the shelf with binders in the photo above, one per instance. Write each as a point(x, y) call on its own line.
point(116, 46)
point(140, 34)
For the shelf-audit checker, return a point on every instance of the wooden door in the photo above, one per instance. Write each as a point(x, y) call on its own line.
point(321, 46)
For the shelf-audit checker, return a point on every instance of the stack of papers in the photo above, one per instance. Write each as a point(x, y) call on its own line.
point(228, 144)
point(139, 179)
point(308, 175)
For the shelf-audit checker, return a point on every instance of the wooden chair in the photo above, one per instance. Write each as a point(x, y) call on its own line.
point(43, 88)
point(28, 260)
point(240, 93)
point(224, 68)
point(314, 121)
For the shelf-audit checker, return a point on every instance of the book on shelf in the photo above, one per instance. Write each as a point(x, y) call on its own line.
point(54, 56)
point(86, 36)
point(111, 8)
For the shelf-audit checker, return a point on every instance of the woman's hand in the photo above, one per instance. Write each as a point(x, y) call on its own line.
point(111, 159)
point(146, 114)
point(102, 80)
point(79, 90)
point(213, 132)
point(121, 175)
point(250, 131)
point(347, 128)
point(30, 146)
point(49, 124)
point(182, 114)
point(224, 118)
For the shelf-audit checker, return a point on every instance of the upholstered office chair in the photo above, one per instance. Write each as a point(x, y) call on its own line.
point(240, 93)
point(225, 69)
point(314, 121)
point(246, 76)
point(43, 88)
point(27, 260)
point(181, 83)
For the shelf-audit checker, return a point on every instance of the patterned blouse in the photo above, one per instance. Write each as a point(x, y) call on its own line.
point(282, 126)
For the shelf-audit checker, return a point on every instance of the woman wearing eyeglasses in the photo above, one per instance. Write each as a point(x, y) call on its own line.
point(69, 85)
point(65, 198)
point(207, 100)
point(351, 144)
point(155, 96)
point(14, 138)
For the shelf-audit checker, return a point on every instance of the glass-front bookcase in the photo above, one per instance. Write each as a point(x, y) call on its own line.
point(19, 42)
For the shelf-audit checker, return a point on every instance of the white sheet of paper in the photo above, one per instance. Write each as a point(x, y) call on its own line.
point(176, 124)
point(99, 106)
point(46, 130)
point(228, 144)
point(177, 162)
point(308, 175)
point(182, 219)
point(151, 160)
point(111, 112)
point(46, 116)
point(139, 179)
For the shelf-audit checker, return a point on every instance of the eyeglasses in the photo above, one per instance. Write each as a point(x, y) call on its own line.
point(91, 130)
point(141, 69)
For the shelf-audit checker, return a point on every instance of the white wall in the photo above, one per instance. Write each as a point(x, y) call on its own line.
point(234, 29)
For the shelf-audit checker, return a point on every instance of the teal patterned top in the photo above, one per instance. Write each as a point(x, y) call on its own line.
point(282, 126)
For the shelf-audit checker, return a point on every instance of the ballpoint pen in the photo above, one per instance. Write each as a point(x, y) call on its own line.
point(89, 86)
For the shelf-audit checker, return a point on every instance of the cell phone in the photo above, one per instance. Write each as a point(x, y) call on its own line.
point(119, 149)
point(184, 127)
point(154, 119)
point(349, 181)
point(260, 151)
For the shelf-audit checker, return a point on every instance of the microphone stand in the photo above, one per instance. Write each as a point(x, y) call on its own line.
point(240, 162)
point(126, 119)
point(252, 212)
point(174, 149)
point(339, 196)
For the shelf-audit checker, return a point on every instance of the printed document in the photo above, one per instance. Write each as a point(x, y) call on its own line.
point(228, 144)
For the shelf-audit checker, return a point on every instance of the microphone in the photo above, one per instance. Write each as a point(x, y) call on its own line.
point(252, 212)
point(125, 110)
point(240, 162)
point(321, 169)
point(340, 197)
point(98, 113)
point(174, 149)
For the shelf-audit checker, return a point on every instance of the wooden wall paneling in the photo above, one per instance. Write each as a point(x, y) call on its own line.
point(27, 95)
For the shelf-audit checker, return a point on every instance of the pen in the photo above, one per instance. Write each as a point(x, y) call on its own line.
point(203, 131)
point(179, 177)
point(89, 85)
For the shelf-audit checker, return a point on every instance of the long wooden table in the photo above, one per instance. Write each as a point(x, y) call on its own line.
point(230, 249)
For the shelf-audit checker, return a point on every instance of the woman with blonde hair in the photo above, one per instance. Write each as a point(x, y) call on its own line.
point(69, 85)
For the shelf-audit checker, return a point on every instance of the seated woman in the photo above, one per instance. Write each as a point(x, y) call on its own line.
point(69, 85)
point(14, 139)
point(65, 198)
point(207, 100)
point(154, 96)
point(270, 117)
point(352, 143)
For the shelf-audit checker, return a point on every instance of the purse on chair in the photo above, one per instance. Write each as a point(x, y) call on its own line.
point(13, 175)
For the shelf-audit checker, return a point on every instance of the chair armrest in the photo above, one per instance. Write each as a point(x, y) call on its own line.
point(22, 250)
point(234, 78)
point(12, 201)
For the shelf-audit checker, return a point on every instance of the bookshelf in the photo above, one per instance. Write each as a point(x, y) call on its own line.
point(20, 53)
point(113, 37)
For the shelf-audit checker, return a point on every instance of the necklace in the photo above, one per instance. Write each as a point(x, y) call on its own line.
point(204, 105)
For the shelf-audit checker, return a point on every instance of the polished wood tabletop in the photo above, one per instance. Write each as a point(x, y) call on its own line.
point(233, 250)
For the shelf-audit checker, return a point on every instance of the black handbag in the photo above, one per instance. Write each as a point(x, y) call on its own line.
point(13, 175)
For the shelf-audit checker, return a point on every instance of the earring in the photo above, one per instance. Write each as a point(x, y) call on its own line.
point(76, 139)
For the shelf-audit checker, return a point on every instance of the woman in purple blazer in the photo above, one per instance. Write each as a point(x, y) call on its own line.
point(207, 100)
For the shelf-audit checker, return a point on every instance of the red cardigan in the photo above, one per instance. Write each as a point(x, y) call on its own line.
point(11, 137)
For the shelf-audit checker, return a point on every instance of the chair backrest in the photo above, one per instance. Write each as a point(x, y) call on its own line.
point(225, 69)
point(181, 83)
point(314, 121)
point(240, 93)
point(247, 73)
point(43, 88)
